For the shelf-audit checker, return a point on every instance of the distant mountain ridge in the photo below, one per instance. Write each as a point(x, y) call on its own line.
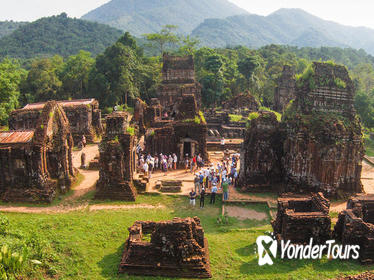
point(285, 26)
point(7, 27)
point(148, 16)
point(58, 35)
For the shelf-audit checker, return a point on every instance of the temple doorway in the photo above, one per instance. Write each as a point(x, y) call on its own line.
point(187, 149)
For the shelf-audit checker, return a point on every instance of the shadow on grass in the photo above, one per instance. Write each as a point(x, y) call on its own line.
point(279, 267)
point(291, 269)
point(246, 251)
point(109, 265)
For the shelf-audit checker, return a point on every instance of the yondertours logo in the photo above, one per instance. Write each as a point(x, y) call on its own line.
point(267, 247)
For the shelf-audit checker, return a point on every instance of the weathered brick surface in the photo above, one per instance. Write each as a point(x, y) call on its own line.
point(38, 164)
point(176, 248)
point(184, 134)
point(178, 78)
point(285, 91)
point(117, 160)
point(355, 226)
point(363, 276)
point(84, 118)
point(219, 122)
point(301, 218)
point(261, 154)
point(318, 144)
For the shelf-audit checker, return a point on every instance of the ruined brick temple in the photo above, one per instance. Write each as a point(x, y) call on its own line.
point(176, 248)
point(302, 217)
point(318, 146)
point(219, 121)
point(263, 149)
point(178, 78)
point(285, 91)
point(183, 134)
point(117, 160)
point(36, 163)
point(355, 226)
point(84, 118)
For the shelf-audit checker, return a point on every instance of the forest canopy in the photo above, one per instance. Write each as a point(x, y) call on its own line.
point(124, 72)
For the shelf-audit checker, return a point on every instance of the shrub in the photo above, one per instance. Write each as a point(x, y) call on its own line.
point(130, 130)
point(11, 263)
point(235, 118)
point(108, 110)
point(290, 111)
point(340, 83)
point(253, 116)
point(4, 223)
point(306, 78)
point(202, 117)
point(278, 115)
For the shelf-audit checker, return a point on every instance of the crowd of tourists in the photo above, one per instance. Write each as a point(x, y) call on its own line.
point(208, 180)
point(149, 164)
point(213, 179)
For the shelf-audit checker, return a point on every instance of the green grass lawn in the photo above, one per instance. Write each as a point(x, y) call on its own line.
point(88, 245)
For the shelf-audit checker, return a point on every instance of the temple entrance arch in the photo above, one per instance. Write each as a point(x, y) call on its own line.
point(187, 146)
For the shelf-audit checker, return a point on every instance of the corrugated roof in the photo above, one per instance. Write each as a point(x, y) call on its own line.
point(64, 103)
point(8, 137)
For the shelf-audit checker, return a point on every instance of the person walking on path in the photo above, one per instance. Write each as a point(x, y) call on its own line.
point(146, 169)
point(193, 164)
point(197, 183)
point(225, 189)
point(202, 197)
point(201, 180)
point(83, 161)
point(175, 160)
point(192, 198)
point(84, 142)
point(186, 162)
point(213, 195)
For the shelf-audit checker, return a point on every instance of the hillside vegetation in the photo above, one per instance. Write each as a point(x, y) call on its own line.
point(293, 27)
point(7, 27)
point(146, 16)
point(57, 35)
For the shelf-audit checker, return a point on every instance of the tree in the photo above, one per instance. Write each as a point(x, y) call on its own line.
point(42, 83)
point(248, 65)
point(189, 45)
point(11, 76)
point(128, 40)
point(364, 104)
point(122, 74)
point(212, 81)
point(74, 75)
point(163, 38)
point(112, 78)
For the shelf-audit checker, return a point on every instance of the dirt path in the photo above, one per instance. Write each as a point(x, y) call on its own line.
point(367, 177)
point(90, 176)
point(66, 209)
point(242, 213)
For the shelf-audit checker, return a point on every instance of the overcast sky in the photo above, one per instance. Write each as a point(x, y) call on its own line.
point(348, 12)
